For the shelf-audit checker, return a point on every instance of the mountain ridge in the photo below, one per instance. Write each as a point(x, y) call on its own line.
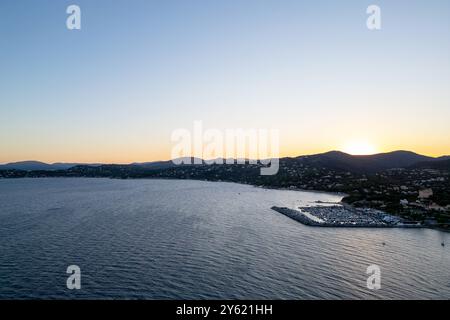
point(34, 165)
point(336, 160)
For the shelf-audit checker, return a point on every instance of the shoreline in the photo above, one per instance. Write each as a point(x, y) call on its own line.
point(340, 194)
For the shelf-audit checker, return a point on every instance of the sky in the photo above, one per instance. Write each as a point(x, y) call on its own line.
point(114, 91)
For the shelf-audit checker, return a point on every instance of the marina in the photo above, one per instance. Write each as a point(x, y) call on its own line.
point(344, 216)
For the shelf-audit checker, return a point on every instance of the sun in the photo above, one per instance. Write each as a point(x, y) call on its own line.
point(359, 147)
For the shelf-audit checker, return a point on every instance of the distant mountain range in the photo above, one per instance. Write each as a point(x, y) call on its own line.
point(334, 160)
point(38, 166)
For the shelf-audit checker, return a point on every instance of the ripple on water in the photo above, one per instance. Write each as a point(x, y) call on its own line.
point(161, 239)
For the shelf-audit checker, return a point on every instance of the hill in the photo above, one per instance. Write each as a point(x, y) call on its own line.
point(341, 161)
point(438, 165)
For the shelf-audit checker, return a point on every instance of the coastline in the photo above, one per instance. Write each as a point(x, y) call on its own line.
point(437, 228)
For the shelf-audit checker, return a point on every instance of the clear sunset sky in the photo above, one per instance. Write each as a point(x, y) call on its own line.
point(137, 70)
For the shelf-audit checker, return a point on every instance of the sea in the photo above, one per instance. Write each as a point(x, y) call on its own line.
point(184, 239)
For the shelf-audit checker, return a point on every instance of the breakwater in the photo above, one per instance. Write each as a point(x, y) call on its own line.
point(339, 216)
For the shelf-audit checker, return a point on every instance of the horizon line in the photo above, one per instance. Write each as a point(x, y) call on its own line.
point(155, 161)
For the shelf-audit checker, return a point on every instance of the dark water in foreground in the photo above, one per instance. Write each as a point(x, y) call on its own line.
point(160, 239)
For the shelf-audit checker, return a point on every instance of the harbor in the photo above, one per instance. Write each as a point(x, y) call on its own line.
point(345, 216)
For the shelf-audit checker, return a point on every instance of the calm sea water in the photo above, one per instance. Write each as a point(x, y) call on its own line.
point(161, 239)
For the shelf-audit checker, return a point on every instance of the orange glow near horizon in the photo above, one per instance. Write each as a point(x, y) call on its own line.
point(136, 154)
point(129, 148)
